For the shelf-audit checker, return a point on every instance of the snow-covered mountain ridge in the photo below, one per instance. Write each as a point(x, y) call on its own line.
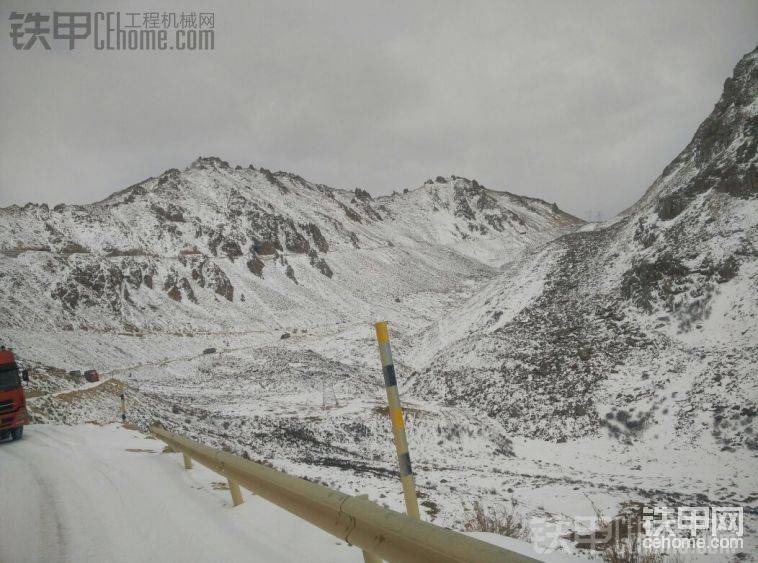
point(629, 326)
point(218, 245)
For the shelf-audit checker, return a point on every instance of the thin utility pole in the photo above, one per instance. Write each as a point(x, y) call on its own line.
point(398, 423)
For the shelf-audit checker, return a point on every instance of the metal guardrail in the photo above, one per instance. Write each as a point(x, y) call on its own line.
point(381, 533)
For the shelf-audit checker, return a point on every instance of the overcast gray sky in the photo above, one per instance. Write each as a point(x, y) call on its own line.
point(578, 102)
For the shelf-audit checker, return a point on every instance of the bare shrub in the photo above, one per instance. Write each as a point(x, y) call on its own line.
point(506, 521)
point(619, 540)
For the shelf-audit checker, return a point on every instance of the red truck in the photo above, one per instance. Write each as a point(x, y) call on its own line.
point(13, 413)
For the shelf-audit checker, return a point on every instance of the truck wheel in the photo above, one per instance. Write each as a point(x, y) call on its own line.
point(17, 432)
point(4, 434)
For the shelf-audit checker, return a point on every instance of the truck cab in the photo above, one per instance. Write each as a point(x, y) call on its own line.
point(13, 414)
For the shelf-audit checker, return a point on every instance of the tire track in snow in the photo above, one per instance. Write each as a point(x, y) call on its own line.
point(52, 533)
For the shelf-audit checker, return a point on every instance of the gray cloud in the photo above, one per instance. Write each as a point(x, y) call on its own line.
point(582, 103)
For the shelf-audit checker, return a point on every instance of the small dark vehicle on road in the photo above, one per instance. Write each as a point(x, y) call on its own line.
point(91, 375)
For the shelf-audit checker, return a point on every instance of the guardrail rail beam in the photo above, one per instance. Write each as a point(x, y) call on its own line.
point(382, 533)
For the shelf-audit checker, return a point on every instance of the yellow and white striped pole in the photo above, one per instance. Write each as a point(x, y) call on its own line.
point(398, 424)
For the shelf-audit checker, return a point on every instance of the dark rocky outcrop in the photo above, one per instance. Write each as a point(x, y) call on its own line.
point(362, 195)
point(170, 212)
point(318, 239)
point(350, 213)
point(177, 287)
point(293, 240)
point(255, 265)
point(208, 274)
point(290, 273)
point(320, 264)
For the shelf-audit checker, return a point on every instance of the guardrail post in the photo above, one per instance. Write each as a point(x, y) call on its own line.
point(368, 557)
point(187, 461)
point(234, 488)
point(398, 423)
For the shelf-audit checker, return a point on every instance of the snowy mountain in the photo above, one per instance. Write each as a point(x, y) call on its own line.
point(636, 327)
point(561, 365)
point(216, 247)
point(279, 280)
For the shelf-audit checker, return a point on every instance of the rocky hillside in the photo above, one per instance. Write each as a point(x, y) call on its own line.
point(216, 247)
point(642, 327)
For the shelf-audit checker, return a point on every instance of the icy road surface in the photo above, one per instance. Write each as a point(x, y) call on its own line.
point(89, 493)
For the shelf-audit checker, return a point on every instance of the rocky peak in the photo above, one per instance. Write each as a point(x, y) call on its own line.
point(212, 162)
point(722, 155)
point(362, 195)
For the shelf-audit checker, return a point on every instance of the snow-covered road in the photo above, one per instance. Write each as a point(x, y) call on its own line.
point(89, 493)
